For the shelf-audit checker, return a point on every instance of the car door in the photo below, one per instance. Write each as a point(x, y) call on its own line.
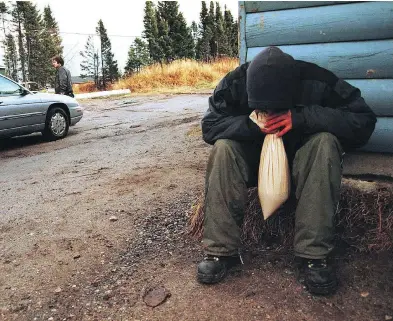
point(20, 110)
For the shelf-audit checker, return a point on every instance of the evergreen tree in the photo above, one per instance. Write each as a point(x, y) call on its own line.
point(11, 57)
point(138, 56)
point(183, 39)
point(211, 25)
point(235, 39)
point(18, 19)
point(51, 26)
point(194, 32)
point(151, 32)
point(33, 27)
point(164, 41)
point(180, 37)
point(51, 44)
point(203, 17)
point(90, 61)
point(109, 69)
point(203, 49)
point(221, 38)
point(231, 31)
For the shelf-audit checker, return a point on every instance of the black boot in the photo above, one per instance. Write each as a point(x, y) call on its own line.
point(213, 269)
point(319, 276)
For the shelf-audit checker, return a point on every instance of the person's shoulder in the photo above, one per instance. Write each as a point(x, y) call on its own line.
point(62, 68)
point(236, 74)
point(311, 71)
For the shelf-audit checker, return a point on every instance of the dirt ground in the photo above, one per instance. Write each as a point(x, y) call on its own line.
point(91, 223)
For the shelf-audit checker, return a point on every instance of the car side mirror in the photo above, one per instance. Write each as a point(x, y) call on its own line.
point(23, 92)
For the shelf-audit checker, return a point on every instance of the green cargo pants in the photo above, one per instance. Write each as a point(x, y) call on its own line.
point(233, 168)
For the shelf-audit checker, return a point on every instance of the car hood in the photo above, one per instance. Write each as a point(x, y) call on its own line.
point(56, 98)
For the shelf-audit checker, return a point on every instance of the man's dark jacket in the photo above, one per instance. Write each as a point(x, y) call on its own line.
point(323, 103)
point(63, 84)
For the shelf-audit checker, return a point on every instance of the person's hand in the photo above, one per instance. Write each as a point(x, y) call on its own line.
point(278, 122)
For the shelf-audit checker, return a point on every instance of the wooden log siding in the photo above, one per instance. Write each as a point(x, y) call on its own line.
point(242, 32)
point(354, 40)
point(261, 6)
point(347, 22)
point(382, 138)
point(348, 60)
point(378, 94)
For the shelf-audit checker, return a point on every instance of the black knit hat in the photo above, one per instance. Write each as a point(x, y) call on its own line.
point(272, 79)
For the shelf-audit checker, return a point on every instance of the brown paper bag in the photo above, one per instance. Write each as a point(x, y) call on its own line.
point(274, 176)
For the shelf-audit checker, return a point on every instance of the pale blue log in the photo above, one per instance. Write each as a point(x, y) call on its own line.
point(348, 60)
point(378, 94)
point(260, 6)
point(382, 139)
point(242, 32)
point(347, 22)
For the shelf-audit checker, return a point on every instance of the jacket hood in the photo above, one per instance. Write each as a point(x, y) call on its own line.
point(272, 79)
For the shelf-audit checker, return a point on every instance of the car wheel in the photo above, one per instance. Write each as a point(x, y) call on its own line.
point(57, 124)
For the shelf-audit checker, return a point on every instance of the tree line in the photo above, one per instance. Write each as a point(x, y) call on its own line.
point(167, 37)
point(31, 38)
point(99, 63)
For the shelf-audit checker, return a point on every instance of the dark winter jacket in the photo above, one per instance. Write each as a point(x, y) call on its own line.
point(323, 103)
point(63, 83)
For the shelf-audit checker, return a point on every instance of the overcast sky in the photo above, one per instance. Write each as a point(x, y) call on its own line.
point(122, 19)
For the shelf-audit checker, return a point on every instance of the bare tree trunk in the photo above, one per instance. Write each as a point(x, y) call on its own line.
point(21, 51)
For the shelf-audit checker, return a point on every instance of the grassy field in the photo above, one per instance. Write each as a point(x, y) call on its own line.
point(181, 76)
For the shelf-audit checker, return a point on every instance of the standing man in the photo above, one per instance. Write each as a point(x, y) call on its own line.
point(319, 117)
point(63, 83)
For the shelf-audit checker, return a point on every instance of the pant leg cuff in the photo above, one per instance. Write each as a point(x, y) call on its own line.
point(311, 256)
point(218, 253)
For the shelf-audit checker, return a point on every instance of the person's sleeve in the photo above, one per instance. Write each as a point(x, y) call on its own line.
point(223, 121)
point(63, 81)
point(346, 115)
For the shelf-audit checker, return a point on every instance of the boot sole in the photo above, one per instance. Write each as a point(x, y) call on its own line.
point(326, 289)
point(210, 279)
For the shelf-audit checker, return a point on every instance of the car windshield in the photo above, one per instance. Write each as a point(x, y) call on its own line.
point(8, 88)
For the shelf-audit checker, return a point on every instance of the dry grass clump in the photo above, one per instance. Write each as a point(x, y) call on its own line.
point(88, 87)
point(178, 76)
point(364, 219)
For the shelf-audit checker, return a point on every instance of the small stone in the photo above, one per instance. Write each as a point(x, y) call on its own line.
point(156, 296)
point(364, 294)
point(77, 256)
point(50, 319)
point(388, 317)
point(58, 290)
point(113, 218)
point(289, 272)
point(106, 296)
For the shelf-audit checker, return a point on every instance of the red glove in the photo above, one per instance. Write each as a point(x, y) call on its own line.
point(280, 122)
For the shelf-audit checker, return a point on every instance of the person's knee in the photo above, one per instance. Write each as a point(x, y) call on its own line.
point(223, 148)
point(327, 143)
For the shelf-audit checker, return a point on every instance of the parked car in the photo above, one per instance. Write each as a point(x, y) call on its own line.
point(23, 112)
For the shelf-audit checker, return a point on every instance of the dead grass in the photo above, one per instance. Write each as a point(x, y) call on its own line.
point(195, 131)
point(84, 88)
point(364, 220)
point(181, 76)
